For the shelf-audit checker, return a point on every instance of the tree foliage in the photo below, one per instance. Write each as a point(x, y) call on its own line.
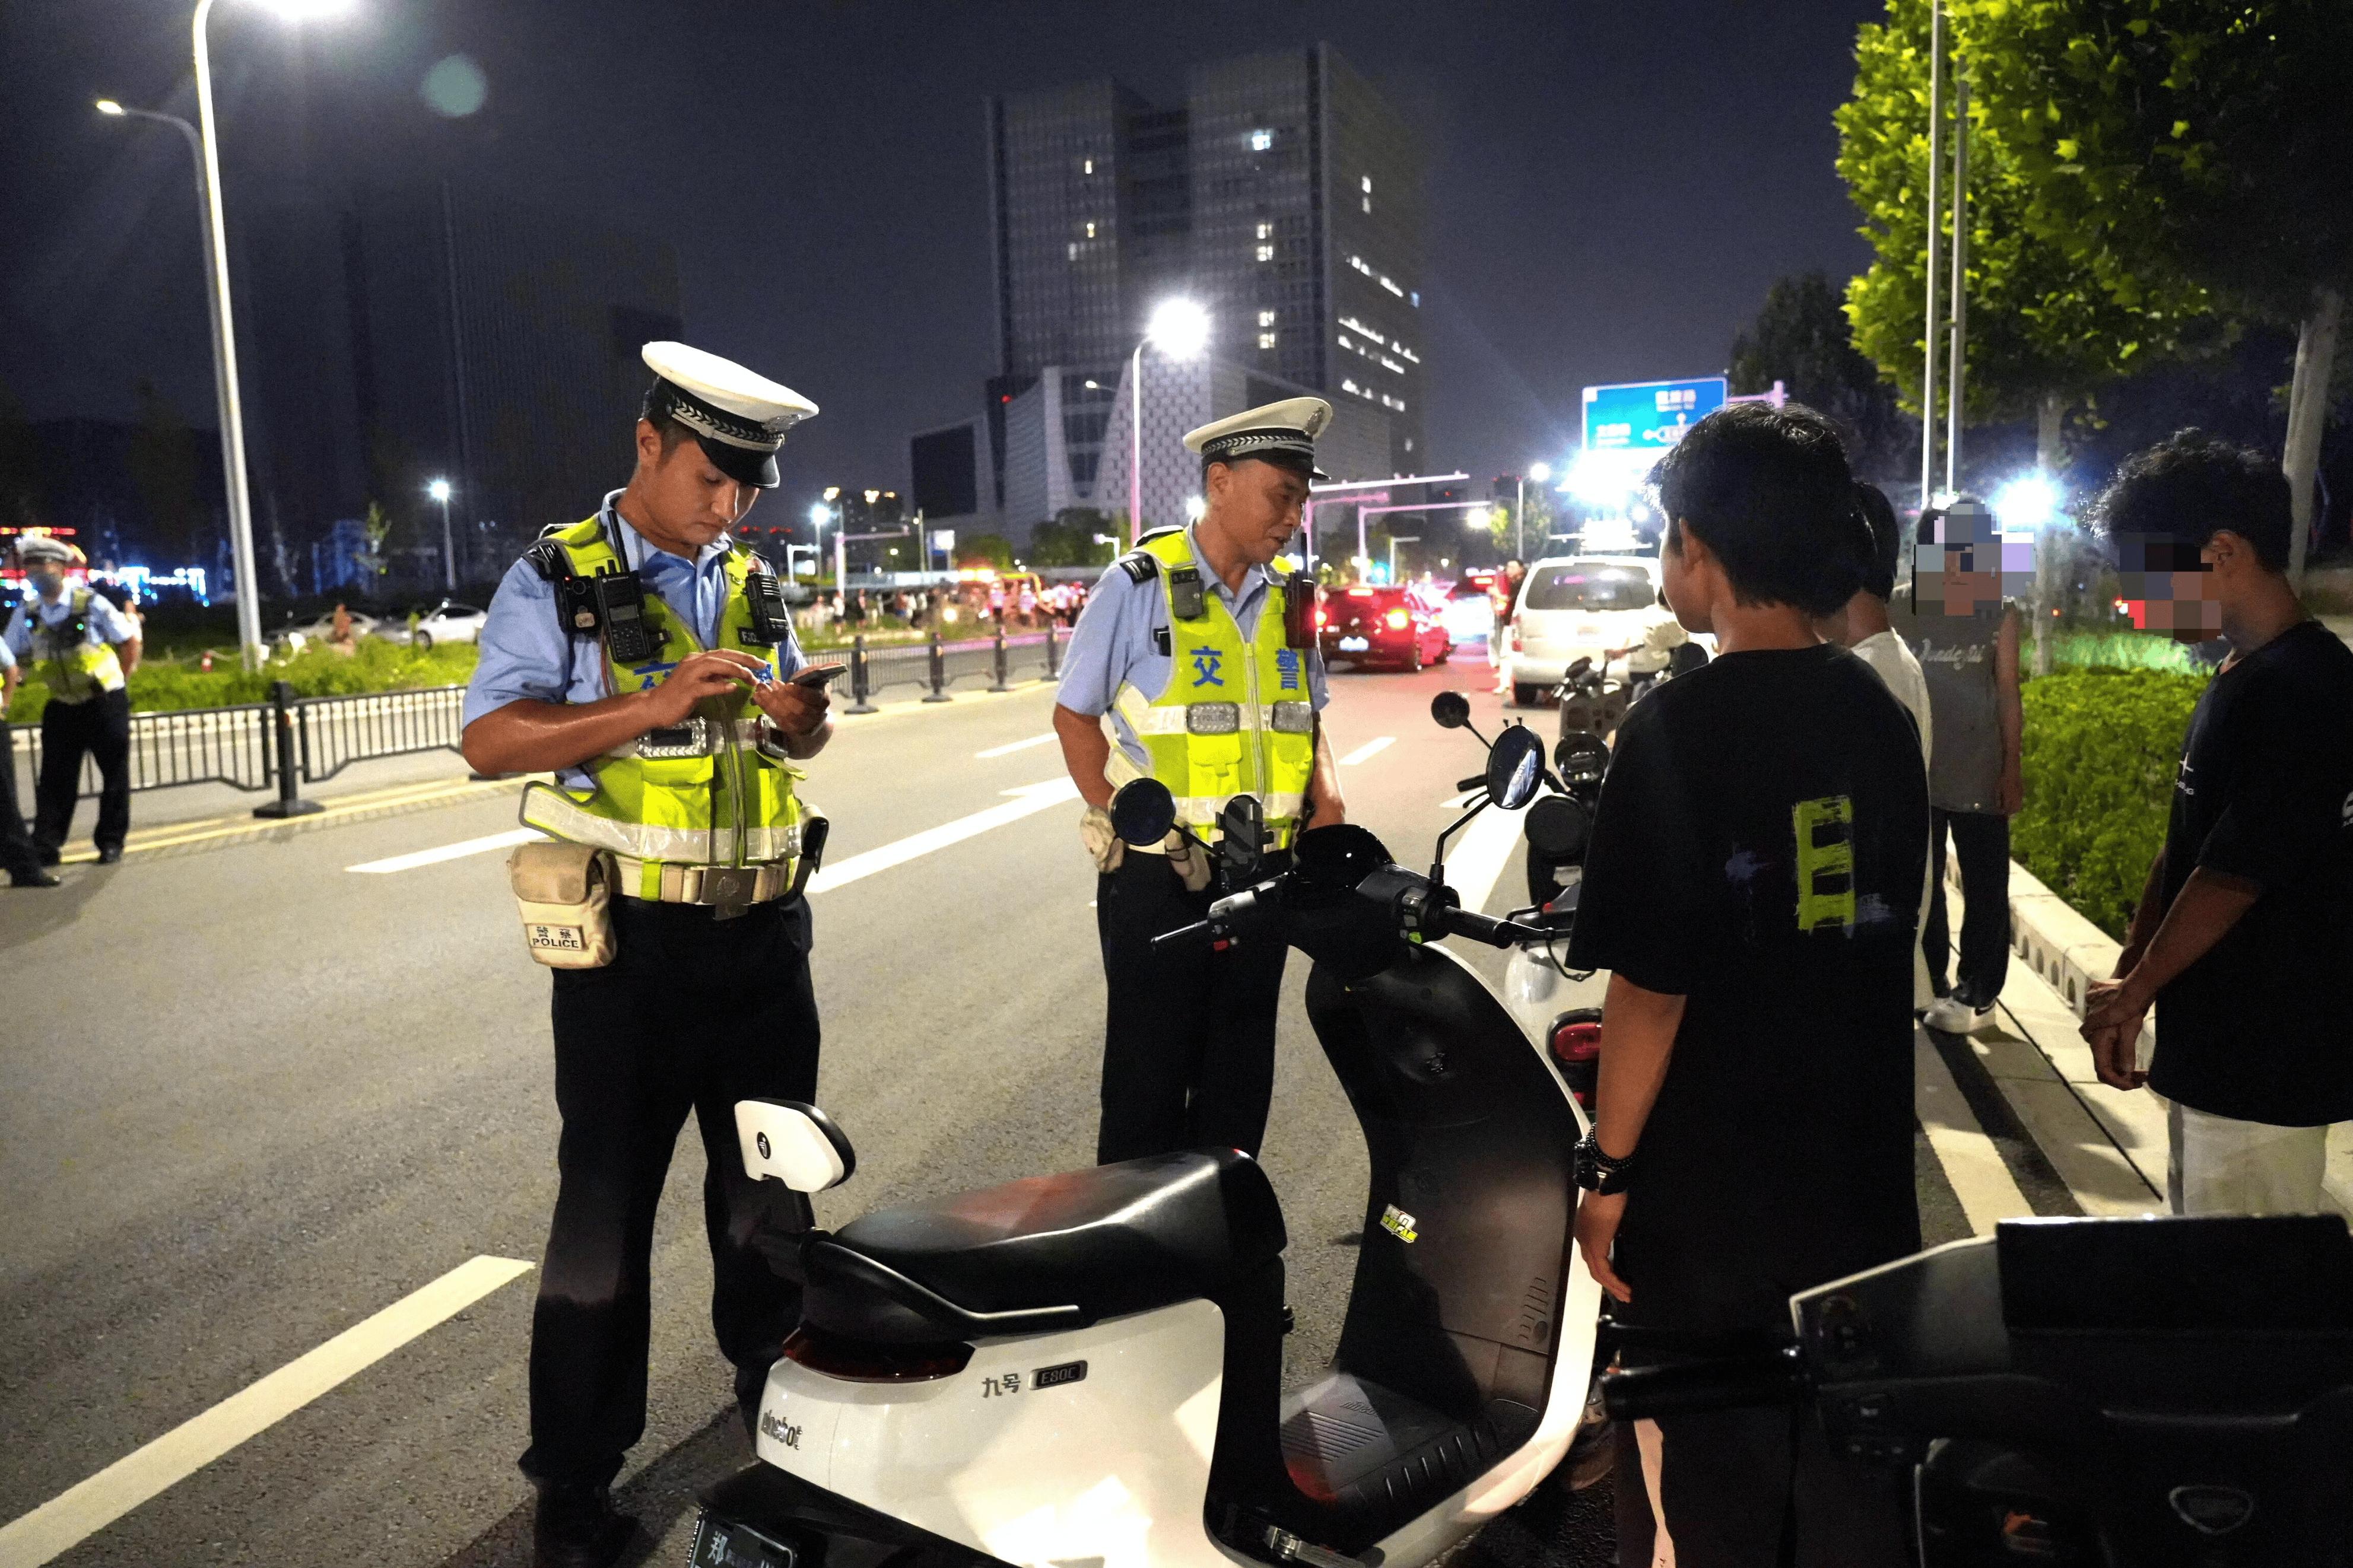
point(1069, 539)
point(2042, 316)
point(1801, 339)
point(985, 550)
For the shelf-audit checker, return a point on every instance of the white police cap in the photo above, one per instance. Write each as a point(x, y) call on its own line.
point(739, 418)
point(1280, 432)
point(33, 547)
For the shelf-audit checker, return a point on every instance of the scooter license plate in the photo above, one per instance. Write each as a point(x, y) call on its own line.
point(720, 1543)
point(1354, 645)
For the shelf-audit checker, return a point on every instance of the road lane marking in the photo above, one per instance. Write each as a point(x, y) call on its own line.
point(80, 1511)
point(1480, 853)
point(1029, 800)
point(449, 851)
point(1457, 801)
point(1369, 750)
point(344, 805)
point(1974, 1167)
point(1012, 746)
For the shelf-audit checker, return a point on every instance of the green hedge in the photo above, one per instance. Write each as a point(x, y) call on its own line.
point(374, 664)
point(2099, 753)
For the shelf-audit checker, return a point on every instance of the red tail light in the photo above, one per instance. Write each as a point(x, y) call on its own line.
point(1321, 617)
point(1577, 1042)
point(1397, 620)
point(861, 1361)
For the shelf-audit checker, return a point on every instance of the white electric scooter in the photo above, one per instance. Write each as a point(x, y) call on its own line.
point(1084, 1370)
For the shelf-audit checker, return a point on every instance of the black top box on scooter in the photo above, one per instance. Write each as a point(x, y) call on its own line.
point(1048, 1253)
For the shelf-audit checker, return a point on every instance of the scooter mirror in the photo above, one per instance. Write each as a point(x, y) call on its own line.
point(1451, 710)
point(1514, 767)
point(1581, 756)
point(794, 1143)
point(1241, 832)
point(1143, 813)
point(1557, 828)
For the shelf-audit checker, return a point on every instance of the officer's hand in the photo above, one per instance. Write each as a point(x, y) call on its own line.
point(794, 710)
point(714, 672)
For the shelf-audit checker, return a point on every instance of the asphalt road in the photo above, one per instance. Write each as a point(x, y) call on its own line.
point(249, 1097)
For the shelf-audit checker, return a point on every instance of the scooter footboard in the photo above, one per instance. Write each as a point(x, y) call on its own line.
point(761, 1517)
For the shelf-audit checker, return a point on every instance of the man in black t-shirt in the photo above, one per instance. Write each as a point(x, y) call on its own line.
point(1753, 886)
point(2245, 934)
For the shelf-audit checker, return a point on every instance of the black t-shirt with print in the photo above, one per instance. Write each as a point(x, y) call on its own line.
point(2258, 1028)
point(1758, 850)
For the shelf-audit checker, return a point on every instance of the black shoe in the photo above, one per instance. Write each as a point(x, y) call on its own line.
point(39, 877)
point(111, 854)
point(577, 1527)
point(47, 857)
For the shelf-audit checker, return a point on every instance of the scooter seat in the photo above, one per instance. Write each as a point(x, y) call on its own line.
point(1048, 1253)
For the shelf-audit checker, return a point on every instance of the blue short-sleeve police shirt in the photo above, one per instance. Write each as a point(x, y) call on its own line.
point(106, 624)
point(1116, 643)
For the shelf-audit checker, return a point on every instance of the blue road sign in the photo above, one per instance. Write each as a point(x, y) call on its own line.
point(1647, 415)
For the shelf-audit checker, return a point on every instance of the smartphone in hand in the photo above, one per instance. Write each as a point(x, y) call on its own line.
point(819, 674)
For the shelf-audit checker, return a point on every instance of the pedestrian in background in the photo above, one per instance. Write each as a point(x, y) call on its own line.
point(1185, 650)
point(83, 649)
point(1959, 621)
point(1503, 596)
point(1750, 885)
point(1860, 627)
point(2244, 930)
point(18, 857)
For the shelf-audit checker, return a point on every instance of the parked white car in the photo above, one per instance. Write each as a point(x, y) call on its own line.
point(448, 621)
point(1575, 607)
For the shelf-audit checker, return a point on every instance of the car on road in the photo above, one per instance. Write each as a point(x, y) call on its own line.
point(1382, 625)
point(447, 621)
point(302, 630)
point(1576, 606)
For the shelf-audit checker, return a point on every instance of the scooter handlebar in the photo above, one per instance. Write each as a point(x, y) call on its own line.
point(1774, 1377)
point(1493, 932)
point(1184, 936)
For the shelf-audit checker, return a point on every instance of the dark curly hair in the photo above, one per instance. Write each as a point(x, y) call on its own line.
point(2186, 490)
point(1769, 491)
point(1886, 540)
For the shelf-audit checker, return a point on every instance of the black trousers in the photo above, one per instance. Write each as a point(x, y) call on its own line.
point(16, 855)
point(692, 1013)
point(1731, 1484)
point(1188, 1036)
point(101, 727)
point(1982, 839)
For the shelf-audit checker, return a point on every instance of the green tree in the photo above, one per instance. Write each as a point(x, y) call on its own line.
point(2201, 143)
point(162, 463)
point(375, 560)
point(1070, 539)
point(985, 550)
point(2045, 324)
point(1801, 338)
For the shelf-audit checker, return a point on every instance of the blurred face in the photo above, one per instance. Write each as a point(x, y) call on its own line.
point(1254, 507)
point(687, 502)
point(2169, 587)
point(47, 577)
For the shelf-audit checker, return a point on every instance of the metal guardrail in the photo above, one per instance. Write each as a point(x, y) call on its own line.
point(291, 741)
point(241, 746)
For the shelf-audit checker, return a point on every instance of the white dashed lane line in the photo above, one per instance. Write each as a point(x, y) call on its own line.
point(513, 836)
point(1369, 750)
point(1010, 747)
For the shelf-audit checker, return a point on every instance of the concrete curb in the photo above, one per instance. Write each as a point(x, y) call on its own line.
point(2066, 951)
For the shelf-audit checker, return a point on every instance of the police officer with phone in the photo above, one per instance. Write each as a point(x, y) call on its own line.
point(648, 661)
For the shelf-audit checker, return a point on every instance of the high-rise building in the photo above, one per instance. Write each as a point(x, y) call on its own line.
point(1285, 196)
point(428, 331)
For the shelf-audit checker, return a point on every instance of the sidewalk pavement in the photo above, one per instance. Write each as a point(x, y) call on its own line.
point(2107, 1144)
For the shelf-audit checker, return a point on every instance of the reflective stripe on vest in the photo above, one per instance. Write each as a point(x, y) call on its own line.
point(1234, 719)
point(73, 671)
point(729, 803)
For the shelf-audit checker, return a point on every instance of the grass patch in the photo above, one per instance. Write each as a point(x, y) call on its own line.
point(373, 665)
point(2120, 650)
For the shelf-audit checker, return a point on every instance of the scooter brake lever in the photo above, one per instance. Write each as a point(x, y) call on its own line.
point(1479, 783)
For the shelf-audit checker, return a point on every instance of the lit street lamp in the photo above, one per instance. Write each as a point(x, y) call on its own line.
point(206, 144)
point(439, 491)
point(1180, 330)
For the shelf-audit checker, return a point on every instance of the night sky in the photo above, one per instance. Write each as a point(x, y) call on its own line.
point(1611, 186)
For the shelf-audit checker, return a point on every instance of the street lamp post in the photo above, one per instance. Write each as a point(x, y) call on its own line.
point(439, 491)
point(1180, 329)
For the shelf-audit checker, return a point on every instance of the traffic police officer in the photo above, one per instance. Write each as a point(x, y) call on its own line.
point(83, 649)
point(1184, 646)
point(17, 856)
point(640, 657)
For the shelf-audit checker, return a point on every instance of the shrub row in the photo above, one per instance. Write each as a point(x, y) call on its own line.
point(373, 665)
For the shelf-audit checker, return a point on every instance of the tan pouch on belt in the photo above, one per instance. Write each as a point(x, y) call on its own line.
point(565, 894)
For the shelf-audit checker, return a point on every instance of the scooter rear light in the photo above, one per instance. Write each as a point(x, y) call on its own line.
point(1577, 1042)
point(1321, 618)
point(1397, 620)
point(862, 1361)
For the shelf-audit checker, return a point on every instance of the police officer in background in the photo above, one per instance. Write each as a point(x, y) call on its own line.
point(1184, 646)
point(83, 649)
point(642, 655)
point(17, 856)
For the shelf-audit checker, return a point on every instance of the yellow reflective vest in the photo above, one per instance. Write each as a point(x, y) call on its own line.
point(716, 791)
point(72, 667)
point(1236, 716)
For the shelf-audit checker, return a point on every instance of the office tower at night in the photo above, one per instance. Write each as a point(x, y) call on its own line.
point(1283, 196)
